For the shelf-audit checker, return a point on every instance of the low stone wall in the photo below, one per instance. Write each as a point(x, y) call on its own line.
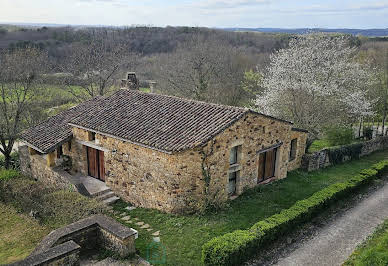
point(36, 167)
point(64, 245)
point(64, 254)
point(320, 159)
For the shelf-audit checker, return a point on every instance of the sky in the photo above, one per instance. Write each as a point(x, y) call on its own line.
point(207, 13)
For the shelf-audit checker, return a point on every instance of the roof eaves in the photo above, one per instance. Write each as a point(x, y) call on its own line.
point(299, 129)
point(271, 117)
point(122, 139)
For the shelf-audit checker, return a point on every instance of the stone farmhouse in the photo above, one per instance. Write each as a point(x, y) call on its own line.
point(162, 152)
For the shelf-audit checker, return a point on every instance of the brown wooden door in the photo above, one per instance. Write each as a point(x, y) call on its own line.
point(101, 169)
point(96, 163)
point(269, 164)
point(261, 167)
point(266, 165)
point(92, 162)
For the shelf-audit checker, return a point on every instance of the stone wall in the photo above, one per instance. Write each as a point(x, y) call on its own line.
point(300, 150)
point(67, 254)
point(146, 177)
point(155, 179)
point(36, 165)
point(320, 159)
point(254, 133)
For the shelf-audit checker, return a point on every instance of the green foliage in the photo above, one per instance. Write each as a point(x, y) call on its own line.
point(240, 214)
point(236, 247)
point(339, 135)
point(318, 145)
point(368, 133)
point(49, 205)
point(8, 174)
point(251, 84)
point(15, 164)
point(340, 154)
point(374, 251)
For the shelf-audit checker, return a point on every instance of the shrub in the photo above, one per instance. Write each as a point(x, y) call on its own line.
point(8, 174)
point(339, 135)
point(368, 133)
point(236, 247)
point(15, 164)
point(51, 206)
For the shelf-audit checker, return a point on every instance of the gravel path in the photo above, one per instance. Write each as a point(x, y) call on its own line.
point(336, 241)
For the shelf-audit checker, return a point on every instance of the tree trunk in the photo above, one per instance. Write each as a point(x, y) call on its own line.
point(7, 160)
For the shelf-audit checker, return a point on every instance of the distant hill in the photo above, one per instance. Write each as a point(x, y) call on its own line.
point(363, 32)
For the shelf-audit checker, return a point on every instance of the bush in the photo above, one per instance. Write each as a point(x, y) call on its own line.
point(49, 205)
point(15, 164)
point(368, 133)
point(339, 135)
point(236, 247)
point(8, 174)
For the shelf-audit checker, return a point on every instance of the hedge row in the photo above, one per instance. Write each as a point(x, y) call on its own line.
point(236, 247)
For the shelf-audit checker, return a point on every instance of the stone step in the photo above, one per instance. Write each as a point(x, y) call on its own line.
point(110, 200)
point(107, 194)
point(100, 192)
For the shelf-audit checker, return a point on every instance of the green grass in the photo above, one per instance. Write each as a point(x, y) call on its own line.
point(183, 236)
point(318, 145)
point(19, 234)
point(374, 251)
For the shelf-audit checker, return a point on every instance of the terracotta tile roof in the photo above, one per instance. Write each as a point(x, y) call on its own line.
point(158, 121)
point(46, 136)
point(161, 122)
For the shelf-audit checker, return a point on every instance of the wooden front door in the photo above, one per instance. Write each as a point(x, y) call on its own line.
point(266, 165)
point(96, 163)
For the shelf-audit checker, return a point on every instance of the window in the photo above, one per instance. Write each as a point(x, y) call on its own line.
point(232, 187)
point(234, 155)
point(91, 136)
point(59, 152)
point(294, 145)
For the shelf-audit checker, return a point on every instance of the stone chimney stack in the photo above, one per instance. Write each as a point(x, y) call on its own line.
point(131, 83)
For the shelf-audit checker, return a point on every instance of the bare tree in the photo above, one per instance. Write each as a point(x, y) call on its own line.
point(205, 70)
point(91, 69)
point(20, 79)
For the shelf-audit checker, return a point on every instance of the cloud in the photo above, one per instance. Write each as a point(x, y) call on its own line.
point(323, 9)
point(225, 4)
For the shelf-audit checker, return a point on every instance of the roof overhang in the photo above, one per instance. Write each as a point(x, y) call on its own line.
point(119, 138)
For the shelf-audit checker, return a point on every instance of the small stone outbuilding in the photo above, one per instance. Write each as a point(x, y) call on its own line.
point(165, 152)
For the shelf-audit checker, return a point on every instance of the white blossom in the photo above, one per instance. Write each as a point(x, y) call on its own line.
point(316, 82)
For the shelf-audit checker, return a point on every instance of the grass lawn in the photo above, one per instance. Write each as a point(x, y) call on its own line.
point(183, 236)
point(19, 234)
point(318, 145)
point(374, 251)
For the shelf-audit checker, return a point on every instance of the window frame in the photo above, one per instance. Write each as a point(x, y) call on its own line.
point(236, 151)
point(235, 177)
point(293, 149)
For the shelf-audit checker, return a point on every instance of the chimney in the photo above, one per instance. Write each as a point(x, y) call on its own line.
point(131, 82)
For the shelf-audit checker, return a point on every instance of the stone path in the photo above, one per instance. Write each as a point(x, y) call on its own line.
point(125, 217)
point(335, 242)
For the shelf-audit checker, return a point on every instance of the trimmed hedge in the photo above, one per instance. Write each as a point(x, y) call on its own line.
point(236, 247)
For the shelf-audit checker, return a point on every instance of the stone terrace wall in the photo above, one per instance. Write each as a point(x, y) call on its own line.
point(64, 245)
point(320, 159)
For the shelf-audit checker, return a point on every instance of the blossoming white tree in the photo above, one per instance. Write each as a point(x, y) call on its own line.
point(316, 82)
